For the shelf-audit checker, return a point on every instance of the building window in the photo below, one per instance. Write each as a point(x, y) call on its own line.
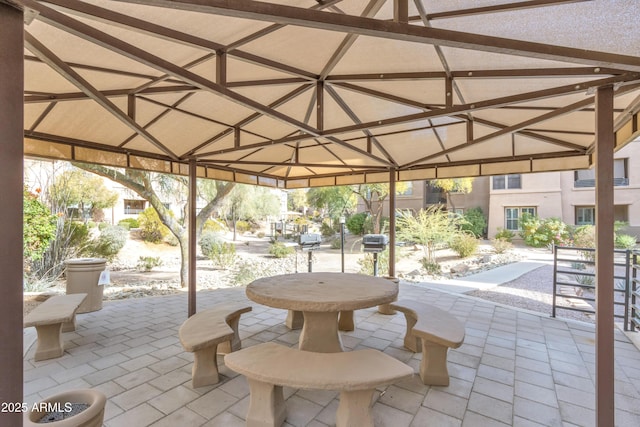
point(134, 207)
point(587, 177)
point(585, 215)
point(505, 182)
point(512, 217)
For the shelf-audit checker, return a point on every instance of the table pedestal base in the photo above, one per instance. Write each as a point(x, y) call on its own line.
point(345, 321)
point(320, 332)
point(294, 320)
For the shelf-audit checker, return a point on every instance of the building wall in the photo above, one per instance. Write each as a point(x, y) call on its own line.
point(554, 194)
point(541, 191)
point(626, 197)
point(478, 198)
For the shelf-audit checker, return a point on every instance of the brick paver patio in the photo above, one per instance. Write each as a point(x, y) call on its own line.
point(515, 368)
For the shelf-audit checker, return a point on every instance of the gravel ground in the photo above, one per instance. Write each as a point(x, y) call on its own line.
point(532, 291)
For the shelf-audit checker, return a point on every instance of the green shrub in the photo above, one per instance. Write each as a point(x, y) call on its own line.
point(110, 241)
point(214, 226)
point(335, 243)
point(147, 263)
point(39, 226)
point(431, 267)
point(474, 222)
point(501, 246)
point(625, 241)
point(464, 245)
point(207, 241)
point(279, 250)
point(242, 226)
point(78, 235)
point(129, 223)
point(151, 228)
point(356, 223)
point(366, 263)
point(504, 234)
point(326, 230)
point(246, 274)
point(171, 240)
point(223, 255)
point(584, 236)
point(539, 233)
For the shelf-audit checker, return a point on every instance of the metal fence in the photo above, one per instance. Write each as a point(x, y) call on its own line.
point(635, 290)
point(574, 283)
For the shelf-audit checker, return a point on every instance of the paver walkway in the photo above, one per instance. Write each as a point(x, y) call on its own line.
point(514, 368)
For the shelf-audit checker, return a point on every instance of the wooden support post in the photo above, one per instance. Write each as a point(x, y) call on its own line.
point(392, 222)
point(191, 229)
point(605, 143)
point(401, 11)
point(11, 169)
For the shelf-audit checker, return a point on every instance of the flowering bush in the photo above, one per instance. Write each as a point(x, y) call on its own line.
point(539, 233)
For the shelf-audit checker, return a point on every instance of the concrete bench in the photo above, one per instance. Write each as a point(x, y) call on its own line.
point(269, 366)
point(202, 334)
point(432, 331)
point(51, 318)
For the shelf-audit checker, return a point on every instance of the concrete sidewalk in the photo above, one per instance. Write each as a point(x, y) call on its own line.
point(486, 279)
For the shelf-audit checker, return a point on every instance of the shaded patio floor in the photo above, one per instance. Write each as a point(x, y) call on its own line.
point(515, 368)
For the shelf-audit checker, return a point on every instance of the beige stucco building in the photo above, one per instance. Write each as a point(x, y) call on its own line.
point(568, 195)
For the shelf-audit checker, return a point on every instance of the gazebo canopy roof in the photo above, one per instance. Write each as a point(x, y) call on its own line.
point(302, 93)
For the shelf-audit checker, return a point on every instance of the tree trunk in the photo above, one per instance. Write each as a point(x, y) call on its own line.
point(183, 241)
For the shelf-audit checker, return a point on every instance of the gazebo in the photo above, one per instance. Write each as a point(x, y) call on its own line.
point(303, 93)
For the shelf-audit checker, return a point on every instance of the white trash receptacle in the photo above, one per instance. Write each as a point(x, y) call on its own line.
point(83, 275)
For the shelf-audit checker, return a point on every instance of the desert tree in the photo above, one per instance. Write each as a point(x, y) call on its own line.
point(149, 185)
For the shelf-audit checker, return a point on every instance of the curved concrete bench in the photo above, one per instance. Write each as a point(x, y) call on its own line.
point(269, 366)
point(204, 331)
point(51, 318)
point(432, 331)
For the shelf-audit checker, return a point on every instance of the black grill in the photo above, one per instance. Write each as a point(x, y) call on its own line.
point(374, 242)
point(309, 241)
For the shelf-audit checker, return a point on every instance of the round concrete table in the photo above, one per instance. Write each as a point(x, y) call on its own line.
point(320, 297)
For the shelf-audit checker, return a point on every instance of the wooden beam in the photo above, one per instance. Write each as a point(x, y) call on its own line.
point(401, 11)
point(11, 229)
point(282, 14)
point(605, 372)
point(192, 230)
point(369, 11)
point(107, 41)
point(505, 7)
point(73, 77)
point(492, 103)
point(134, 24)
point(392, 223)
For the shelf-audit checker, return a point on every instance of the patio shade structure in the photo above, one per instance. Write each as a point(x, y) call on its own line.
point(303, 93)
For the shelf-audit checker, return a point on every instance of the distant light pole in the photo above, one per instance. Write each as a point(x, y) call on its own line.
point(342, 221)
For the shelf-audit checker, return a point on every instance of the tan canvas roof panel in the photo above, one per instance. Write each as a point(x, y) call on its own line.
point(303, 93)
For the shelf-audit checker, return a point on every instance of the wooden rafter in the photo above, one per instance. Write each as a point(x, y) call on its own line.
point(73, 26)
point(73, 77)
point(505, 7)
point(398, 31)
